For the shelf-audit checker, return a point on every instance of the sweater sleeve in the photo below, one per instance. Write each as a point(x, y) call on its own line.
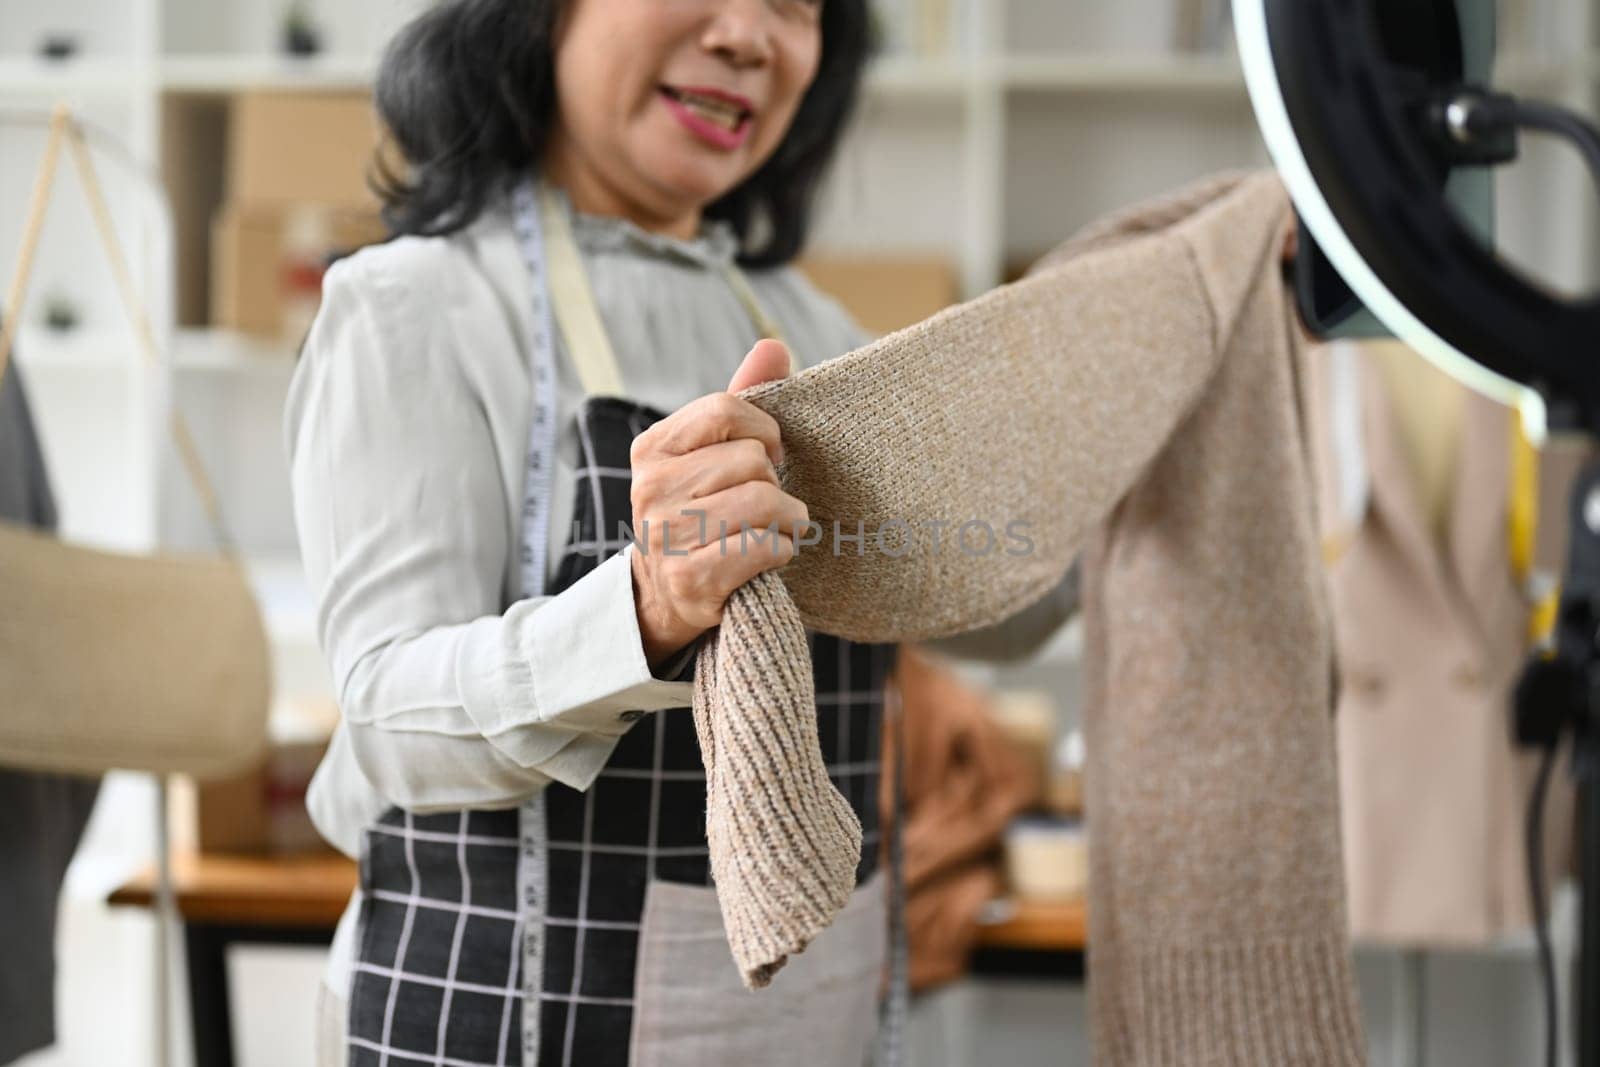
point(1021, 636)
point(823, 329)
point(447, 700)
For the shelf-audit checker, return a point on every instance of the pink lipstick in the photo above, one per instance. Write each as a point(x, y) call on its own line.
point(714, 116)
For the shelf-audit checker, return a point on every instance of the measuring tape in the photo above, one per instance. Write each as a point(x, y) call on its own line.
point(533, 876)
point(538, 472)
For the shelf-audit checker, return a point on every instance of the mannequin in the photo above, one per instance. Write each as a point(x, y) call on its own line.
point(1429, 408)
point(1430, 588)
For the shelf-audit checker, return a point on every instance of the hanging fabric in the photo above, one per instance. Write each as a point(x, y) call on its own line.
point(116, 661)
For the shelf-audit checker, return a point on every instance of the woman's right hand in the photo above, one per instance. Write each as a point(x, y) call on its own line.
point(708, 467)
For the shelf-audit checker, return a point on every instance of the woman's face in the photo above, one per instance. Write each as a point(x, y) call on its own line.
point(664, 106)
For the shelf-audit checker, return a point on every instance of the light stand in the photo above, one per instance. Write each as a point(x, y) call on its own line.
point(1371, 110)
point(1559, 695)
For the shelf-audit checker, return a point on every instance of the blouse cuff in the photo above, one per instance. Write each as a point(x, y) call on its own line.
point(585, 668)
point(680, 668)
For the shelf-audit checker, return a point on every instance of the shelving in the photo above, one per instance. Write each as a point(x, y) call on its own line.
point(1149, 73)
point(217, 351)
point(227, 74)
point(1131, 73)
point(110, 351)
point(81, 350)
point(27, 79)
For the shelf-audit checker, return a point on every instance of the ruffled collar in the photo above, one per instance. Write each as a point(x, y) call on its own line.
point(715, 246)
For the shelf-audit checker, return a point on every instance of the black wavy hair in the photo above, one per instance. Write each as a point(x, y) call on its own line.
point(467, 91)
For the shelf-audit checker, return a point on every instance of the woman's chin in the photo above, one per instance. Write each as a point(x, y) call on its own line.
point(694, 182)
point(690, 172)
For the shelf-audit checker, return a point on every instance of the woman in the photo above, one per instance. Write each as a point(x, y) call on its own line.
point(586, 179)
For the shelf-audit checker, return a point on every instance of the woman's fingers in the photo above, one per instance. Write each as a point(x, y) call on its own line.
point(709, 420)
point(743, 519)
point(709, 511)
point(744, 515)
point(692, 552)
point(705, 471)
point(767, 361)
point(774, 552)
point(670, 494)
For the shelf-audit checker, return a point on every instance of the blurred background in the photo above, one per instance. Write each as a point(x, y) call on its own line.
point(231, 138)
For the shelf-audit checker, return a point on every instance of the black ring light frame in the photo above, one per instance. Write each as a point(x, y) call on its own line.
point(1365, 110)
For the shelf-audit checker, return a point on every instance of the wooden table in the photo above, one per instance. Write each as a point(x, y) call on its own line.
point(1033, 939)
point(226, 899)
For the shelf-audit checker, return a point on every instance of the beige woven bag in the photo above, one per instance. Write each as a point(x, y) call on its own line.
point(115, 661)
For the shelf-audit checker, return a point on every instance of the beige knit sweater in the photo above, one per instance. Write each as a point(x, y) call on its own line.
point(1136, 396)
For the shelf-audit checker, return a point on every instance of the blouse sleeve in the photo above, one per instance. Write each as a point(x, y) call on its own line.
point(447, 701)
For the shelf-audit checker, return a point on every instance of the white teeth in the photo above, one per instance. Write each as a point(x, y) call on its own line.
point(724, 114)
point(716, 115)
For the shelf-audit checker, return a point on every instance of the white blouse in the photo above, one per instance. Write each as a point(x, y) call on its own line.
point(407, 430)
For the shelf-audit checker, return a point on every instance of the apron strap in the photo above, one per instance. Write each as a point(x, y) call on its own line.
point(573, 303)
point(578, 317)
point(551, 250)
point(747, 296)
point(1542, 589)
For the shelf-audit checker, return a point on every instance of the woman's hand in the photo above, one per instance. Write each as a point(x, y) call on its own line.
point(706, 468)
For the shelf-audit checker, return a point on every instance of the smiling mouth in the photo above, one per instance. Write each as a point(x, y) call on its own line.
point(723, 113)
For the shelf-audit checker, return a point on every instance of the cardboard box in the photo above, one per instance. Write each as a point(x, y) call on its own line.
point(263, 810)
point(267, 264)
point(194, 151)
point(302, 147)
point(246, 259)
point(885, 293)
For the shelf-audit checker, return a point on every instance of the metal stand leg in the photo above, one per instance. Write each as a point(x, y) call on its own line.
point(209, 1019)
point(1559, 695)
point(166, 915)
point(1410, 1044)
point(1589, 919)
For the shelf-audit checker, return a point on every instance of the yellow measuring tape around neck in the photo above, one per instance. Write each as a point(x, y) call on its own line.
point(1522, 533)
point(577, 315)
point(1522, 511)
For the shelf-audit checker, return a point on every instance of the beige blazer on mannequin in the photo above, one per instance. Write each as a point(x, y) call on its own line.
point(1431, 622)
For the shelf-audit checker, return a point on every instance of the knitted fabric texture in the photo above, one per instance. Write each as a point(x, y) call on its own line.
point(1136, 396)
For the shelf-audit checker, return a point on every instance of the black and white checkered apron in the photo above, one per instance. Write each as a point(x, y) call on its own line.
point(438, 970)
